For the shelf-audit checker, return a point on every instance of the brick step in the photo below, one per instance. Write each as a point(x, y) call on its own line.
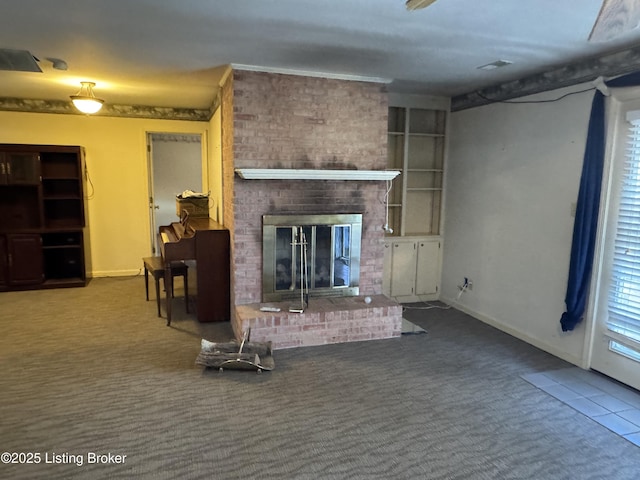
point(324, 321)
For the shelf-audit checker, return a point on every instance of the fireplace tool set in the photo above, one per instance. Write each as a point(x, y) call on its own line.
point(300, 240)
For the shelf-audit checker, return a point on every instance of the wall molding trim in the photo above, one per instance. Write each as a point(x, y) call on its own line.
point(310, 73)
point(30, 105)
point(610, 65)
point(176, 138)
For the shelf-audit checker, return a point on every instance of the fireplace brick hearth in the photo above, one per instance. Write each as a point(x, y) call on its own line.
point(288, 121)
point(325, 321)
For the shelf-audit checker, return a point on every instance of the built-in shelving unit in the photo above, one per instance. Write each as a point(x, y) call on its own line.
point(416, 147)
point(42, 217)
point(413, 247)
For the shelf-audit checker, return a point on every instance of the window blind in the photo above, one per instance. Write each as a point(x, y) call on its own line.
point(624, 290)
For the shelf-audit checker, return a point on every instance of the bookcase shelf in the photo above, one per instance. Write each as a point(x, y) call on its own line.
point(42, 217)
point(416, 144)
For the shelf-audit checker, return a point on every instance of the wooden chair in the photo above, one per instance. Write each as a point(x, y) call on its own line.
point(156, 267)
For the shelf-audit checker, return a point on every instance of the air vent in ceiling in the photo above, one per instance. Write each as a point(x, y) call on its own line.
point(18, 61)
point(494, 65)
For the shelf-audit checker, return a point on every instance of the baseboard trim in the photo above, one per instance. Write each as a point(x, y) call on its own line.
point(115, 273)
point(415, 298)
point(514, 332)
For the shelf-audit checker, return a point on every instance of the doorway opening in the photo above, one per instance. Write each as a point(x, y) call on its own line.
point(615, 337)
point(175, 163)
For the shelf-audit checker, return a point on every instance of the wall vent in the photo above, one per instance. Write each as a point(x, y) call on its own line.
point(18, 61)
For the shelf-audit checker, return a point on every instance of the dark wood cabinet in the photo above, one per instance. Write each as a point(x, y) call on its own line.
point(20, 260)
point(4, 263)
point(19, 168)
point(63, 256)
point(42, 217)
point(25, 259)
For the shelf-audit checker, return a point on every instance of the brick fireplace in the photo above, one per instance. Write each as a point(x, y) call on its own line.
point(287, 121)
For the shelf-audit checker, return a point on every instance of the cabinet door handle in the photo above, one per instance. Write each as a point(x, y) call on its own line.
point(2, 170)
point(8, 168)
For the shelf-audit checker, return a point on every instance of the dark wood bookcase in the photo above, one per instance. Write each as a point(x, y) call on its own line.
point(42, 217)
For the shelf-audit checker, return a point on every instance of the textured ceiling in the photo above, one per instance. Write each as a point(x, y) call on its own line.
point(172, 53)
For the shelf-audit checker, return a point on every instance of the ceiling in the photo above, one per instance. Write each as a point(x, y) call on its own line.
point(171, 53)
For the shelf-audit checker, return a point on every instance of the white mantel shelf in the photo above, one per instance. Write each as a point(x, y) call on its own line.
point(314, 174)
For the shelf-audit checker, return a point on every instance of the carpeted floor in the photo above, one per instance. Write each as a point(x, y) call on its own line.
point(94, 370)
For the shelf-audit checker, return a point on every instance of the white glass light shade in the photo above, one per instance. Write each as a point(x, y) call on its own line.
point(85, 100)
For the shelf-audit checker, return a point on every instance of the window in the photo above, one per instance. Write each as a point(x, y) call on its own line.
point(624, 290)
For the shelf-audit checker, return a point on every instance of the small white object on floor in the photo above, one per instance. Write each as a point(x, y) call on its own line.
point(408, 327)
point(269, 309)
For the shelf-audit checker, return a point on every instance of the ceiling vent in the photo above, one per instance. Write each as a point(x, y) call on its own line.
point(418, 4)
point(494, 65)
point(18, 61)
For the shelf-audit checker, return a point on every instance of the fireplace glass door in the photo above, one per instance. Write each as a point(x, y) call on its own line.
point(322, 259)
point(326, 249)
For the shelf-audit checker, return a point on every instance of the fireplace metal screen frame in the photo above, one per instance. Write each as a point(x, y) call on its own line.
point(270, 224)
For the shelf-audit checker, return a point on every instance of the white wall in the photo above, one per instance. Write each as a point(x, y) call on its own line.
point(512, 176)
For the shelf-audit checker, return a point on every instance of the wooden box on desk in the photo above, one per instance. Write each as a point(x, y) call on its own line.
point(194, 206)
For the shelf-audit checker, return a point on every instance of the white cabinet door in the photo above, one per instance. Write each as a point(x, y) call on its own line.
point(403, 269)
point(427, 267)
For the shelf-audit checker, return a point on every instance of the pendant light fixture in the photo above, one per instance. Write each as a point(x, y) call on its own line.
point(85, 100)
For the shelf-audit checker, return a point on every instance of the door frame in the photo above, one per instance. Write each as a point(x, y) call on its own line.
point(616, 104)
point(204, 162)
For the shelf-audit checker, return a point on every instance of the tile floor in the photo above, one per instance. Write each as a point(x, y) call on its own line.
point(410, 328)
point(605, 401)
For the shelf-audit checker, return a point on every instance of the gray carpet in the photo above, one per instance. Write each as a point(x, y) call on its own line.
point(94, 370)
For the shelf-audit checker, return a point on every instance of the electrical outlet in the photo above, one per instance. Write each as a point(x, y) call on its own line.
point(466, 285)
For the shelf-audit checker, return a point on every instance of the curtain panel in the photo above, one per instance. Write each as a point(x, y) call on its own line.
point(585, 228)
